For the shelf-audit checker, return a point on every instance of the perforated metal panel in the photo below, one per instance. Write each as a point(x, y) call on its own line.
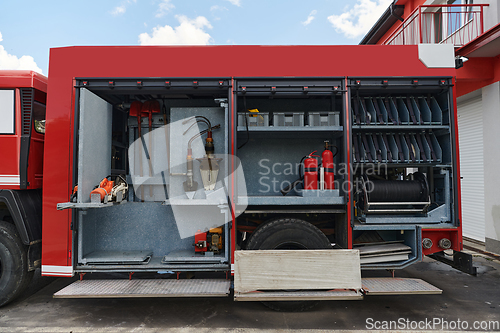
point(398, 286)
point(145, 288)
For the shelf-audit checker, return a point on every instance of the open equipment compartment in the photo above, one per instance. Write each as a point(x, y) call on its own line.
point(298, 116)
point(156, 226)
point(403, 169)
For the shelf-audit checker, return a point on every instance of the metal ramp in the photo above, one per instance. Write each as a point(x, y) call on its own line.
point(145, 288)
point(398, 286)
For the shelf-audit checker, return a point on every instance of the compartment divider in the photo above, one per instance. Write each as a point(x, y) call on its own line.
point(408, 143)
point(425, 111)
point(391, 111)
point(356, 149)
point(401, 110)
point(437, 113)
point(367, 148)
point(378, 152)
point(367, 115)
point(373, 111)
point(357, 116)
point(412, 113)
point(401, 154)
point(387, 147)
point(381, 111)
point(423, 156)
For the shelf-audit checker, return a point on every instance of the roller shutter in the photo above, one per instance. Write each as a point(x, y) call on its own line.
point(470, 128)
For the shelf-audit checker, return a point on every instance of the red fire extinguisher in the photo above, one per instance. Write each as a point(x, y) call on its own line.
point(327, 162)
point(311, 172)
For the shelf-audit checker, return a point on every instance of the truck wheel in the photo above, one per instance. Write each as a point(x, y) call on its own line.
point(288, 234)
point(14, 275)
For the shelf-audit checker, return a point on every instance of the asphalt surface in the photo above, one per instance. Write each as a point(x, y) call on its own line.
point(465, 298)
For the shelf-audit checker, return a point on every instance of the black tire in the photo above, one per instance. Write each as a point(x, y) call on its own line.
point(14, 275)
point(286, 234)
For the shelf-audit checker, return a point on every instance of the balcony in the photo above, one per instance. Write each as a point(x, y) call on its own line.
point(440, 24)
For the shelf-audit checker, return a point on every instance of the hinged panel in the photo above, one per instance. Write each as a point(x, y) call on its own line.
point(296, 269)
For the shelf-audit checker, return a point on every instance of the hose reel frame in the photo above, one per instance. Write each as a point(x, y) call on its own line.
point(370, 205)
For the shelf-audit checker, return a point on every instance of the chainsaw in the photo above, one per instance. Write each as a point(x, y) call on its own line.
point(109, 190)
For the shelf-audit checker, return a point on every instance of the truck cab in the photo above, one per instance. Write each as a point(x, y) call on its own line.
point(23, 98)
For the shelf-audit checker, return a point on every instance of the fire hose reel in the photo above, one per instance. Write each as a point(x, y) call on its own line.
point(394, 196)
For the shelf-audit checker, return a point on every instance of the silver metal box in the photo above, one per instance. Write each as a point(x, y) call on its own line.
point(288, 119)
point(254, 119)
point(327, 118)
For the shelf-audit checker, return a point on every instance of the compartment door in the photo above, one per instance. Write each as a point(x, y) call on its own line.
point(94, 143)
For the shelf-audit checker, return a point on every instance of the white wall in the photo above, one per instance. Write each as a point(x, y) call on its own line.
point(491, 13)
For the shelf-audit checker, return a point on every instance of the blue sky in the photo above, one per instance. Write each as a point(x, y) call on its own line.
point(28, 29)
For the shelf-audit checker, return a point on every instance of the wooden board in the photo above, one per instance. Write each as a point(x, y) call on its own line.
point(308, 295)
point(296, 269)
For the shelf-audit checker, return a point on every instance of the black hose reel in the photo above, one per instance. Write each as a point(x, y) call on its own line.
point(394, 196)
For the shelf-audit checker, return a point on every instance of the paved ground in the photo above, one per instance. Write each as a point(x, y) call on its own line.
point(464, 298)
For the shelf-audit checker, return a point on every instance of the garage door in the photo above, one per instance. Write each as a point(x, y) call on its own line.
point(470, 129)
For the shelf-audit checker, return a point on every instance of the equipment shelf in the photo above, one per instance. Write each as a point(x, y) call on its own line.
point(292, 131)
point(400, 127)
point(293, 200)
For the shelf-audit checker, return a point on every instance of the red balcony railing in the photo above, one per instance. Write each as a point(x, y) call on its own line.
point(440, 24)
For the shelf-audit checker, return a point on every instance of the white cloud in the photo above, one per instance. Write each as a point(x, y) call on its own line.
point(164, 7)
point(216, 7)
point(358, 20)
point(310, 18)
point(119, 10)
point(235, 2)
point(10, 61)
point(188, 32)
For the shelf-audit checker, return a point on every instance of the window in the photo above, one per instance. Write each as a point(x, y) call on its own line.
point(458, 16)
point(7, 112)
point(39, 117)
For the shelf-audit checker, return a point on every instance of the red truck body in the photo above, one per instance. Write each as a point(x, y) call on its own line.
point(347, 77)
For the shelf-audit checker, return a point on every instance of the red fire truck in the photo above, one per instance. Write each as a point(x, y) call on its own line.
point(281, 172)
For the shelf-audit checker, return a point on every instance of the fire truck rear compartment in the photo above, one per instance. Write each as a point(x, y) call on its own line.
point(142, 234)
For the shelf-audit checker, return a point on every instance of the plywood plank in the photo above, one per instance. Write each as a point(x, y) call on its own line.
point(337, 295)
point(296, 269)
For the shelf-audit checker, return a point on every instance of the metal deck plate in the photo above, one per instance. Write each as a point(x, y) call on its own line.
point(145, 288)
point(312, 295)
point(118, 257)
point(398, 286)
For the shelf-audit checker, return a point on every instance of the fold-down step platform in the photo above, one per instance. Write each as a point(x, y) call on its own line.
point(398, 286)
point(146, 288)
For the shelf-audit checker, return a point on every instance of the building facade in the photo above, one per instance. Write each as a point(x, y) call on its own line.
point(473, 28)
